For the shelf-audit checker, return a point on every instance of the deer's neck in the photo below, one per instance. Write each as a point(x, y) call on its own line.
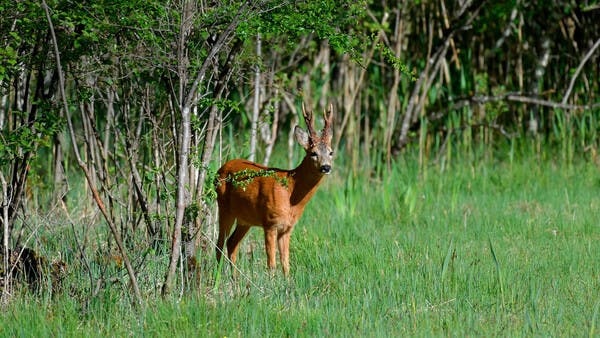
point(306, 179)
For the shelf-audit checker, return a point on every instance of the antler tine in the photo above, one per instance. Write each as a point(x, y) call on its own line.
point(328, 116)
point(308, 118)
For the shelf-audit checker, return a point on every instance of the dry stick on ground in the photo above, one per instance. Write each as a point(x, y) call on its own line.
point(97, 198)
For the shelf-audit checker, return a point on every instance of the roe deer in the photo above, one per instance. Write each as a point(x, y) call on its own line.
point(256, 195)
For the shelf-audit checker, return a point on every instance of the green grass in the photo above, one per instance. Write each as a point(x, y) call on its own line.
point(479, 250)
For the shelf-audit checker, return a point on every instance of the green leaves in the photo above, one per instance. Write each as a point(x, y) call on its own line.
point(8, 59)
point(389, 57)
point(28, 137)
point(243, 178)
point(326, 19)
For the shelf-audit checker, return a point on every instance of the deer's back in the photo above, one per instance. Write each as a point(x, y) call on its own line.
point(253, 193)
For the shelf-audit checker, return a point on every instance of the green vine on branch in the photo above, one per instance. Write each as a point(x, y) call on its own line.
point(393, 60)
point(243, 178)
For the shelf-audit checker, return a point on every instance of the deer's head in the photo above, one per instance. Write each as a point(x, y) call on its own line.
point(318, 148)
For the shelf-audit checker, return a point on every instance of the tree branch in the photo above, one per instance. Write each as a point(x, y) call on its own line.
point(512, 97)
point(578, 70)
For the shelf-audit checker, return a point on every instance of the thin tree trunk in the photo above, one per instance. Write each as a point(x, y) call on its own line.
point(295, 121)
point(271, 136)
point(410, 111)
point(184, 142)
point(181, 202)
point(60, 187)
point(20, 166)
point(212, 126)
point(256, 106)
point(131, 149)
point(393, 104)
point(6, 286)
point(325, 63)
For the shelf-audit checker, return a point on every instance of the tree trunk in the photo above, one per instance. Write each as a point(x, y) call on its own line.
point(6, 283)
point(256, 106)
point(181, 201)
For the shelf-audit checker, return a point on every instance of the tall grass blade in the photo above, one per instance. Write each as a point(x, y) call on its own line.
point(498, 271)
point(447, 259)
point(594, 316)
point(410, 200)
point(532, 316)
point(218, 270)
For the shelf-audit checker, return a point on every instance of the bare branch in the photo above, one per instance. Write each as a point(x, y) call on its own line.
point(512, 97)
point(578, 70)
point(551, 104)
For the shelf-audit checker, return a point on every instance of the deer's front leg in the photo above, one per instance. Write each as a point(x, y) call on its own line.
point(283, 242)
point(270, 246)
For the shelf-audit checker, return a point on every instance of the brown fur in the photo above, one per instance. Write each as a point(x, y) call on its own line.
point(274, 199)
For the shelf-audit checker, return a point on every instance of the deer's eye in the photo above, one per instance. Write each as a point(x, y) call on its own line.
point(314, 154)
point(331, 153)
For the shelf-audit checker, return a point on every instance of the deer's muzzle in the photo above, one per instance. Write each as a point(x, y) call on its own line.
point(326, 169)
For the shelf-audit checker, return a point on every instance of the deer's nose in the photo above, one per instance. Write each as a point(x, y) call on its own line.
point(326, 169)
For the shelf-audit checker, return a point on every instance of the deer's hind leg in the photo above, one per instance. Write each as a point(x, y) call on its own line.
point(233, 243)
point(225, 224)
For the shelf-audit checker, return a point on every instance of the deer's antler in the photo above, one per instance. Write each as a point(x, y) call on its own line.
point(308, 118)
point(328, 117)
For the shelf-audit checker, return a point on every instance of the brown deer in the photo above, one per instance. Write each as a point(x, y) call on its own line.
point(256, 195)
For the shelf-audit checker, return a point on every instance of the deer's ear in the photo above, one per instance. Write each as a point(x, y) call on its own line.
point(301, 137)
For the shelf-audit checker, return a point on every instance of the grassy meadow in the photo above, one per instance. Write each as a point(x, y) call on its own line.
point(468, 248)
